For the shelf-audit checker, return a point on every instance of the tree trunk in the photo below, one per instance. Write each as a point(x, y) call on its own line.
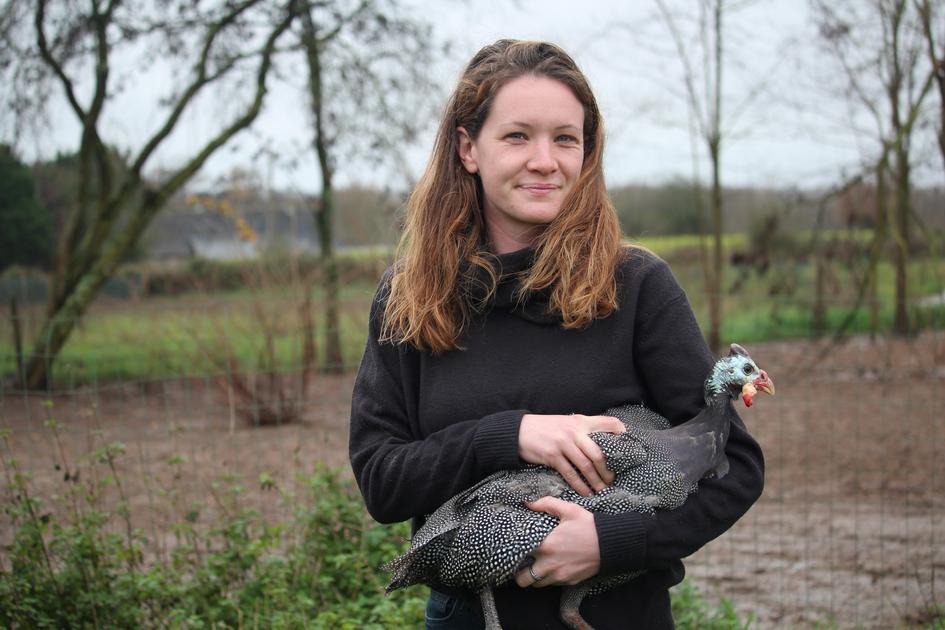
point(879, 240)
point(324, 215)
point(715, 289)
point(819, 312)
point(334, 361)
point(57, 328)
point(17, 336)
point(901, 206)
point(710, 128)
point(715, 151)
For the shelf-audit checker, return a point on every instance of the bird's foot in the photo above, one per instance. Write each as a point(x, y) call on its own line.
point(570, 612)
point(489, 612)
point(574, 620)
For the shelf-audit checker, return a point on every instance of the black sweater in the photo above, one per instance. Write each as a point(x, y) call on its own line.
point(425, 426)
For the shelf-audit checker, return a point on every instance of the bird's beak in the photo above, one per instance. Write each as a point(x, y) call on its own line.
point(764, 383)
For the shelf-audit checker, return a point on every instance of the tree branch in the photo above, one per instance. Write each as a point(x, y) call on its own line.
point(200, 81)
point(687, 68)
point(938, 66)
point(111, 203)
point(47, 56)
point(265, 64)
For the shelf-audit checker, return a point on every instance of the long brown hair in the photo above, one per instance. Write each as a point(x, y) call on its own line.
point(443, 248)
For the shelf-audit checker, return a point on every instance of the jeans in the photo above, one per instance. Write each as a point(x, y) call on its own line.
point(445, 612)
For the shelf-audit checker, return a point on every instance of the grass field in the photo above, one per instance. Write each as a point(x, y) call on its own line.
point(204, 334)
point(839, 462)
point(188, 335)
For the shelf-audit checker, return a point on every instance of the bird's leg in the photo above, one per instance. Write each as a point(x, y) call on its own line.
point(571, 598)
point(489, 611)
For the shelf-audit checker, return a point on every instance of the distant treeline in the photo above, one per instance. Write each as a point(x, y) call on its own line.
point(368, 216)
point(673, 208)
point(217, 223)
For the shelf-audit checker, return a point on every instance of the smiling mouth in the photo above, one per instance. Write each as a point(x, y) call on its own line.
point(539, 188)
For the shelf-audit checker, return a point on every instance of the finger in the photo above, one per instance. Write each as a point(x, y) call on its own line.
point(608, 424)
point(596, 456)
point(589, 460)
point(571, 476)
point(555, 507)
point(525, 578)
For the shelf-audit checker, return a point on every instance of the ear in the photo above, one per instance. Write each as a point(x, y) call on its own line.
point(467, 150)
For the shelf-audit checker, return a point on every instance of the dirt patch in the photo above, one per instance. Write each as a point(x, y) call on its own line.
point(851, 525)
point(850, 529)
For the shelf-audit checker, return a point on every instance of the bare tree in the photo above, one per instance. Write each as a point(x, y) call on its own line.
point(878, 47)
point(927, 19)
point(703, 62)
point(75, 47)
point(366, 62)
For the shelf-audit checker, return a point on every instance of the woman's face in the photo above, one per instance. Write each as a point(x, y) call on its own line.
point(528, 154)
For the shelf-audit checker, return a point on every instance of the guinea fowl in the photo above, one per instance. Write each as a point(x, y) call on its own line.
point(483, 536)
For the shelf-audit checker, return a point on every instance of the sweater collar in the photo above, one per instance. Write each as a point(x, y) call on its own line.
point(510, 268)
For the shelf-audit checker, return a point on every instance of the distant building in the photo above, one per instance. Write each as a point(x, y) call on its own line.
point(197, 231)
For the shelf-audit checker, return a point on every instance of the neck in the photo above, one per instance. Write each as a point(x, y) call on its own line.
point(504, 239)
point(717, 402)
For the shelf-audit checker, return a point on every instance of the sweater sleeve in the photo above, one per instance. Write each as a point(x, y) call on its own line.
point(401, 472)
point(673, 359)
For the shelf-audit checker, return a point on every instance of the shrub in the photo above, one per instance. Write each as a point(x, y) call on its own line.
point(88, 568)
point(26, 236)
point(691, 611)
point(81, 563)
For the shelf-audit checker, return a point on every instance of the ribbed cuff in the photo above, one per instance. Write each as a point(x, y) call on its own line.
point(622, 540)
point(496, 441)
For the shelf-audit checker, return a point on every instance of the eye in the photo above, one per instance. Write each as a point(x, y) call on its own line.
point(515, 135)
point(567, 139)
point(747, 369)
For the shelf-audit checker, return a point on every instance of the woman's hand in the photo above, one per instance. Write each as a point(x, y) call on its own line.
point(570, 553)
point(564, 443)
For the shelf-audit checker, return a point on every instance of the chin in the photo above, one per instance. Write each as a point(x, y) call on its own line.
point(539, 216)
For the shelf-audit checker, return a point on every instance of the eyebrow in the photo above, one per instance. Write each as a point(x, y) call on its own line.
point(526, 125)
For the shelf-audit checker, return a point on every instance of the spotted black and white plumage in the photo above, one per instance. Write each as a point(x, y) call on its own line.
point(484, 535)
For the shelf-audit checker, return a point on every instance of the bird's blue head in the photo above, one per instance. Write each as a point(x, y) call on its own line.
point(737, 375)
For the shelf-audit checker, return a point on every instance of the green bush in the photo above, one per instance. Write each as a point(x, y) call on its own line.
point(25, 225)
point(318, 570)
point(75, 563)
point(691, 611)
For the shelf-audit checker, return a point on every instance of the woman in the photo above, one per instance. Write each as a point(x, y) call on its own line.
point(512, 318)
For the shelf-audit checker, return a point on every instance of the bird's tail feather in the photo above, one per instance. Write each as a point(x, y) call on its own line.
point(418, 564)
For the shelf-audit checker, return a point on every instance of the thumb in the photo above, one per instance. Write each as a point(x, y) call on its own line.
point(553, 506)
point(608, 424)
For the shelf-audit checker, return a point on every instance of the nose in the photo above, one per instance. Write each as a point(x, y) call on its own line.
point(542, 159)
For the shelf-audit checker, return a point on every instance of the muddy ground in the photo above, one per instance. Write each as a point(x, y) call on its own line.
point(850, 529)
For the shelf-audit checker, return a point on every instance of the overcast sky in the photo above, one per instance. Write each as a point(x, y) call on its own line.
point(783, 128)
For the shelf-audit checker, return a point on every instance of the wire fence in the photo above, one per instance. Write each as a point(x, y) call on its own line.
point(849, 531)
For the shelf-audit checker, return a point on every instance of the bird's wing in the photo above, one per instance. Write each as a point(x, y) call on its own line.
point(695, 451)
point(492, 543)
point(639, 417)
point(622, 450)
point(472, 508)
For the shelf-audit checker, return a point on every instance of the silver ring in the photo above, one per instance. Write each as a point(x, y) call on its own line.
point(534, 577)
